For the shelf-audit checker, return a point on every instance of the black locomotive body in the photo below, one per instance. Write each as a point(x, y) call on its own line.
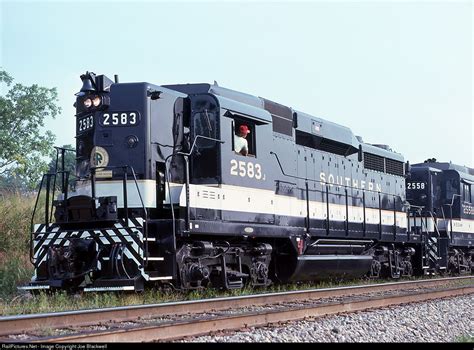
point(162, 197)
point(442, 203)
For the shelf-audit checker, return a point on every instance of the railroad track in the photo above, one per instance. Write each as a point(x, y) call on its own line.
point(175, 320)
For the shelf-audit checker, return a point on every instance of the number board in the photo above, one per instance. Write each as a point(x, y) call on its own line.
point(246, 169)
point(119, 119)
point(416, 185)
point(85, 123)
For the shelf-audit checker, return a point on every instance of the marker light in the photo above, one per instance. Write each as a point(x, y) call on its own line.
point(131, 141)
point(87, 103)
point(96, 101)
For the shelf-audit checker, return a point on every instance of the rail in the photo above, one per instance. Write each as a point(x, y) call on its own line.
point(25, 323)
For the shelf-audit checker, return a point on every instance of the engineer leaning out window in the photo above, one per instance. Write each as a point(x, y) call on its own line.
point(240, 142)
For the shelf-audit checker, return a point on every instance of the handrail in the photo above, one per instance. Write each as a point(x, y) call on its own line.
point(187, 180)
point(48, 216)
point(327, 185)
point(451, 213)
point(64, 182)
point(435, 224)
point(65, 185)
point(415, 209)
point(423, 227)
point(33, 218)
point(125, 168)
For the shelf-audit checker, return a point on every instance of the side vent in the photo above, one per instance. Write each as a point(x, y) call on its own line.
point(208, 194)
point(335, 147)
point(323, 144)
point(384, 165)
point(394, 167)
point(374, 162)
point(282, 117)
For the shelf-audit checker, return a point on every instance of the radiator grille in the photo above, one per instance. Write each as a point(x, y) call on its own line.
point(374, 162)
point(394, 167)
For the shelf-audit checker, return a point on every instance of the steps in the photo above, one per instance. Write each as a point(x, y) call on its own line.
point(154, 261)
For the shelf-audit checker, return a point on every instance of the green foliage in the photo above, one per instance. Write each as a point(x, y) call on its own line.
point(14, 271)
point(465, 339)
point(23, 111)
point(15, 218)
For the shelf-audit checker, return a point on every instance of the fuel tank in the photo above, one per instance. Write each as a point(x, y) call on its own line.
point(320, 267)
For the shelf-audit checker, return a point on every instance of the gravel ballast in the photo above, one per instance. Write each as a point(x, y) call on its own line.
point(443, 320)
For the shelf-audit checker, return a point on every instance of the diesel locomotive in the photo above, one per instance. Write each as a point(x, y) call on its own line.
point(440, 193)
point(161, 197)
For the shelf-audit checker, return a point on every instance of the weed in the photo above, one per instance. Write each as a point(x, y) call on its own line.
point(465, 339)
point(15, 219)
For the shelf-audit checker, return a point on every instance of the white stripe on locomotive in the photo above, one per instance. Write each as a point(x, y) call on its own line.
point(244, 199)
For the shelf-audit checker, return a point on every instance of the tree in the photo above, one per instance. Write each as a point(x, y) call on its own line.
point(23, 145)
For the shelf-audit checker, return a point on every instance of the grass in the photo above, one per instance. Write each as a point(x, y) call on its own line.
point(15, 218)
point(465, 339)
point(61, 301)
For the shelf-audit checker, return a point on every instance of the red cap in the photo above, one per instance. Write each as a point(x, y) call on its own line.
point(244, 129)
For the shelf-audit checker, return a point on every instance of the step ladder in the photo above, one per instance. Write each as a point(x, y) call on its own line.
point(153, 261)
point(434, 248)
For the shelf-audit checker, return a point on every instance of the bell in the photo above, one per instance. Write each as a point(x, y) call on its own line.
point(87, 85)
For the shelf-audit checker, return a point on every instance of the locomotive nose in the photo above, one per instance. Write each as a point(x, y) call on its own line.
point(92, 100)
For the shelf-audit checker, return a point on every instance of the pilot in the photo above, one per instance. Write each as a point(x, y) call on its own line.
point(240, 143)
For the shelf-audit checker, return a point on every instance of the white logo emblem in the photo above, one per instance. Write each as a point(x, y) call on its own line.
point(99, 157)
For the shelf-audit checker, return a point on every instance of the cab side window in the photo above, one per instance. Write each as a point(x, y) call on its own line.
point(452, 188)
point(243, 134)
point(467, 192)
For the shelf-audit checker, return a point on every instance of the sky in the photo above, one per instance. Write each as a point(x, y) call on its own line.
point(395, 72)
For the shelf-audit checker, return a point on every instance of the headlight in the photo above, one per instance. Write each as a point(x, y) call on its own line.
point(96, 101)
point(87, 102)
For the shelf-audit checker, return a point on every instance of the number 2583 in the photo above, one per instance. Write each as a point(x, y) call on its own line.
point(245, 169)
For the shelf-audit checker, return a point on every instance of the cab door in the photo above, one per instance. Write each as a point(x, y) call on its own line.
point(205, 167)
